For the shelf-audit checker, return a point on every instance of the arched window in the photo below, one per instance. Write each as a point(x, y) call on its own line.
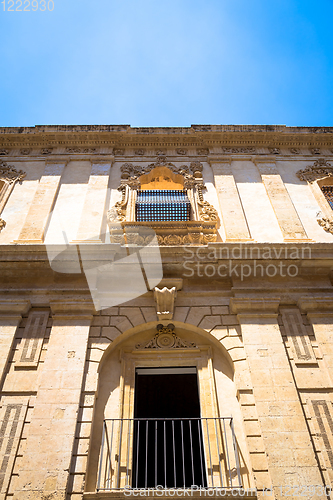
point(167, 198)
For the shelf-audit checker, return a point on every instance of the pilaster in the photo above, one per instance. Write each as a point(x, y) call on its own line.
point(276, 398)
point(46, 462)
point(234, 220)
point(287, 217)
point(35, 224)
point(90, 226)
point(10, 317)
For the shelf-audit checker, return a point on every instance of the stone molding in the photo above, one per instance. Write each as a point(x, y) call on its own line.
point(165, 302)
point(82, 309)
point(253, 306)
point(11, 307)
point(166, 338)
point(316, 304)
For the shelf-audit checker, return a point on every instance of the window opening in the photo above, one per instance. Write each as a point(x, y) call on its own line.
point(328, 193)
point(167, 441)
point(162, 205)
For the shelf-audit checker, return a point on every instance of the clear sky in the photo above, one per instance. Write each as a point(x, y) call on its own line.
point(166, 62)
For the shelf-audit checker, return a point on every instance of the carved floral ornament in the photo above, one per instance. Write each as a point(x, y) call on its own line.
point(9, 174)
point(173, 232)
point(319, 170)
point(166, 338)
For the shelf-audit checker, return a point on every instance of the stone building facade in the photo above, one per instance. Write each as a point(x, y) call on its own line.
point(207, 331)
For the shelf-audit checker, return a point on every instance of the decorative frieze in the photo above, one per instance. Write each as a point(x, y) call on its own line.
point(80, 150)
point(242, 150)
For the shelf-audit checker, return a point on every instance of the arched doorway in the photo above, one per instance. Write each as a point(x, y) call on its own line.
point(160, 419)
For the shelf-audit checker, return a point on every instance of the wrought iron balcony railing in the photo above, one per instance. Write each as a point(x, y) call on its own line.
point(168, 453)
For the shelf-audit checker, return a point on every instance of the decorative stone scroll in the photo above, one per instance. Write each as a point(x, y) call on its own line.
point(320, 169)
point(8, 177)
point(166, 338)
point(326, 224)
point(9, 174)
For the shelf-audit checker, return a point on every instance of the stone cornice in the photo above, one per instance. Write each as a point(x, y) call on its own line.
point(67, 309)
point(85, 139)
point(316, 304)
point(11, 307)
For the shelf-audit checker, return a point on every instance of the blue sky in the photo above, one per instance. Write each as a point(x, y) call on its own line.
point(167, 63)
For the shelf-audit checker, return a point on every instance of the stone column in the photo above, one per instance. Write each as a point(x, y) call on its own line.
point(290, 454)
point(94, 204)
point(287, 217)
point(36, 221)
point(45, 466)
point(234, 220)
point(10, 317)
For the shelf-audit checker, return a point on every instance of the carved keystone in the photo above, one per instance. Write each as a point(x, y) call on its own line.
point(165, 302)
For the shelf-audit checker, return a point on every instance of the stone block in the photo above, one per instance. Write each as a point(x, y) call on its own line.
point(110, 311)
point(95, 331)
point(100, 321)
point(110, 332)
point(219, 332)
point(210, 322)
point(180, 314)
point(259, 462)
point(133, 314)
point(252, 428)
point(255, 444)
point(121, 322)
point(262, 480)
point(149, 314)
point(196, 314)
point(230, 319)
point(220, 310)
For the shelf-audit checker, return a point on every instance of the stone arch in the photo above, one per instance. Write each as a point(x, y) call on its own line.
point(212, 358)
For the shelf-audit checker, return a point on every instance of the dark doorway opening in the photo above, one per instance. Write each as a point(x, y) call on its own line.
point(167, 441)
